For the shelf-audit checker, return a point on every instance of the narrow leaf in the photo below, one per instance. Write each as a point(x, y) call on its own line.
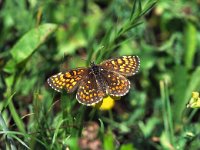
point(31, 41)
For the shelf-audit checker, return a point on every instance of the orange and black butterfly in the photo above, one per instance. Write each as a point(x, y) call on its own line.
point(97, 81)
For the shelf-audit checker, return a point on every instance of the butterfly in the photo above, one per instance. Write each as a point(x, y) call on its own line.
point(97, 81)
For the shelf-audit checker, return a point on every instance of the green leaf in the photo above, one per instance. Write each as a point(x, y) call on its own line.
point(108, 143)
point(20, 141)
point(193, 85)
point(18, 121)
point(7, 101)
point(167, 112)
point(180, 87)
point(72, 143)
point(137, 9)
point(9, 82)
point(27, 45)
point(148, 6)
point(190, 44)
point(127, 147)
point(4, 128)
point(56, 132)
point(10, 66)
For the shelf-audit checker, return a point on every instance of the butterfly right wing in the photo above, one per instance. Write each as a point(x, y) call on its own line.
point(117, 84)
point(89, 92)
point(125, 65)
point(67, 80)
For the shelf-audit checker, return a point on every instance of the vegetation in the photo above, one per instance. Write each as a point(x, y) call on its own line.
point(41, 38)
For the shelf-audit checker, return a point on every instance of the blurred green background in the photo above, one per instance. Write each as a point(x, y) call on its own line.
point(41, 38)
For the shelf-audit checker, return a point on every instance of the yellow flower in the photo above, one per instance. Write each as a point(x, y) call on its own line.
point(195, 95)
point(194, 101)
point(107, 103)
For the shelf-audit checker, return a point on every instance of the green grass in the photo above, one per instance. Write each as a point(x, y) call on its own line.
point(41, 38)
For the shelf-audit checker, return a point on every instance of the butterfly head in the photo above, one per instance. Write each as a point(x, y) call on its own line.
point(95, 68)
point(92, 64)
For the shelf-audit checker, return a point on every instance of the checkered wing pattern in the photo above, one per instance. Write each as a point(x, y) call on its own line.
point(68, 80)
point(125, 65)
point(117, 85)
point(89, 91)
point(97, 81)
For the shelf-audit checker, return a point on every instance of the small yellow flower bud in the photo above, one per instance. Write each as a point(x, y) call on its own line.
point(195, 95)
point(194, 101)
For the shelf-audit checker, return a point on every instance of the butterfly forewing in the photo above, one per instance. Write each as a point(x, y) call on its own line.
point(117, 84)
point(67, 80)
point(125, 65)
point(89, 91)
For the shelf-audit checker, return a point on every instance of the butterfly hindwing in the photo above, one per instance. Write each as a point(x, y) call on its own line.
point(117, 85)
point(89, 92)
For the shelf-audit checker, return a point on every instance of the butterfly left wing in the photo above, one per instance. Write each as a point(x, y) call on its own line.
point(125, 65)
point(117, 85)
point(67, 80)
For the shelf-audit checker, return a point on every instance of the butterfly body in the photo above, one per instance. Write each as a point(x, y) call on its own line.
point(97, 73)
point(98, 81)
